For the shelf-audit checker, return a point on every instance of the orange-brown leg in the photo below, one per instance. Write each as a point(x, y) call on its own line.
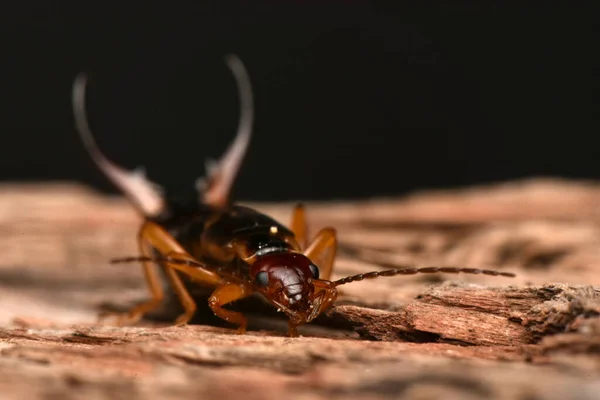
point(292, 329)
point(154, 285)
point(227, 294)
point(298, 225)
point(151, 236)
point(166, 244)
point(186, 300)
point(322, 251)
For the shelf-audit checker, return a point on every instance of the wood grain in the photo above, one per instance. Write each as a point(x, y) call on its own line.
point(443, 336)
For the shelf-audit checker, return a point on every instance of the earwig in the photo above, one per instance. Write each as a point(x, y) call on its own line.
point(235, 250)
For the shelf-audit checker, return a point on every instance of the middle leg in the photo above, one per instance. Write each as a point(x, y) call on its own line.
point(189, 306)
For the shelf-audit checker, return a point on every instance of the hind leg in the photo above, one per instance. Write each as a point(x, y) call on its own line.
point(154, 285)
point(153, 236)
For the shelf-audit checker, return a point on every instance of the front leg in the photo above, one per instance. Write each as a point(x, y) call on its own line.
point(292, 329)
point(226, 294)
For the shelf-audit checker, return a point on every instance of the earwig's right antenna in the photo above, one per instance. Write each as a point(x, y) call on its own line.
point(425, 270)
point(220, 176)
point(145, 195)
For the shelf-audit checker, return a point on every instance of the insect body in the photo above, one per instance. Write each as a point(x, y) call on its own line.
point(236, 250)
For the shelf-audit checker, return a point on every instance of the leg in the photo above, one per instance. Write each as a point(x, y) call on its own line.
point(184, 297)
point(154, 284)
point(161, 240)
point(322, 251)
point(151, 236)
point(226, 294)
point(292, 330)
point(168, 246)
point(298, 225)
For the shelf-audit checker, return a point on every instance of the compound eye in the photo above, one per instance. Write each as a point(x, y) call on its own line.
point(262, 278)
point(315, 270)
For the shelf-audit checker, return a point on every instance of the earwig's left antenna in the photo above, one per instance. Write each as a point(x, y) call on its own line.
point(145, 195)
point(425, 270)
point(215, 188)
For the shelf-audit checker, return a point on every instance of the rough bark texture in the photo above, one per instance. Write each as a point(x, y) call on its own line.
point(431, 336)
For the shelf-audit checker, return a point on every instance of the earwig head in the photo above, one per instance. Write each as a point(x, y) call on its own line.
point(290, 281)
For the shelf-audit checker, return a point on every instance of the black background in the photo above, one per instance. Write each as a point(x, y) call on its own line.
point(351, 99)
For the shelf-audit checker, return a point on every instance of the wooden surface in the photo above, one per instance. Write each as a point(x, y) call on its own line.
point(417, 337)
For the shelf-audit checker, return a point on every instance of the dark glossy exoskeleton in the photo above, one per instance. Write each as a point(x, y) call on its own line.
point(234, 249)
